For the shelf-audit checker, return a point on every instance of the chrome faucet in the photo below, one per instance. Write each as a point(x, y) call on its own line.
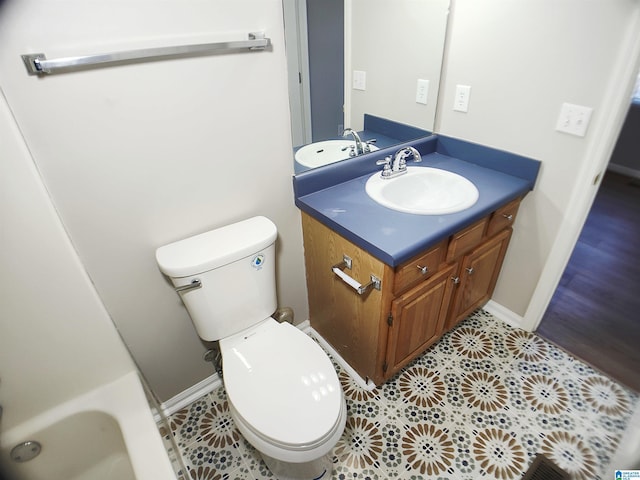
point(397, 164)
point(359, 145)
point(400, 159)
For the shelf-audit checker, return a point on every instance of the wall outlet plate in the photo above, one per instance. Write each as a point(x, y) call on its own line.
point(359, 80)
point(422, 91)
point(574, 119)
point(461, 101)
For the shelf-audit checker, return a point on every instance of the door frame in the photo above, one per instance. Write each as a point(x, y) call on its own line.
point(616, 101)
point(297, 54)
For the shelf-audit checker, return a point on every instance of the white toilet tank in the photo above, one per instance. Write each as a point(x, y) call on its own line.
point(235, 266)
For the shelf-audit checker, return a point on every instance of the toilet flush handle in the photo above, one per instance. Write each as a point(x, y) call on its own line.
point(195, 283)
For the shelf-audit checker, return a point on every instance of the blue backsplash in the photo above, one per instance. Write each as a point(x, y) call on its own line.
point(499, 160)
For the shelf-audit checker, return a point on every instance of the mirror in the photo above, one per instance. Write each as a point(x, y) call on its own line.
point(368, 65)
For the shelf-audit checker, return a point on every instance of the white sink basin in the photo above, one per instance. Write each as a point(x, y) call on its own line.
point(322, 153)
point(423, 191)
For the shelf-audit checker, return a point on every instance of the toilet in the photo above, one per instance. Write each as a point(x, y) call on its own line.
point(283, 392)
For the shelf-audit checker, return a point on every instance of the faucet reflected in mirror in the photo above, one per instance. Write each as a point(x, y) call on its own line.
point(370, 51)
point(378, 133)
point(360, 147)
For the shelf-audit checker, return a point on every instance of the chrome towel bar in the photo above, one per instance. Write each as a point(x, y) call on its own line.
point(352, 282)
point(37, 63)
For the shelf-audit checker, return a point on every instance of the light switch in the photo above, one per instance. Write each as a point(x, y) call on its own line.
point(574, 119)
point(359, 80)
point(461, 101)
point(422, 91)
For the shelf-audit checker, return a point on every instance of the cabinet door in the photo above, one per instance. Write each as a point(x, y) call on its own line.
point(417, 319)
point(478, 275)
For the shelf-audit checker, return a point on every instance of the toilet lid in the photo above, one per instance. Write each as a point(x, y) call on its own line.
point(282, 384)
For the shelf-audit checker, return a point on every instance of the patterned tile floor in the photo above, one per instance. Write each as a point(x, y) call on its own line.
point(480, 404)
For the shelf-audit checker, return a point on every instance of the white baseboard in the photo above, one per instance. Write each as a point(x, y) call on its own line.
point(503, 313)
point(191, 394)
point(621, 169)
point(304, 326)
point(366, 384)
point(214, 381)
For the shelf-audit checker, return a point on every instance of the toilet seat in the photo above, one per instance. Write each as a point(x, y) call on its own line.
point(282, 385)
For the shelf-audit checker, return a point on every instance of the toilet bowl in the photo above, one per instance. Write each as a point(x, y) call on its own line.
point(284, 397)
point(283, 392)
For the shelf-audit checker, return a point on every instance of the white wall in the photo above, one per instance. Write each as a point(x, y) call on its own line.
point(56, 340)
point(523, 60)
point(141, 155)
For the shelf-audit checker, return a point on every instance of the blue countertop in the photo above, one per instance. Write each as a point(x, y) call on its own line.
point(395, 237)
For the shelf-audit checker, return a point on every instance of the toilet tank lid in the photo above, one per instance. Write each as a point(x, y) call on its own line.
point(216, 248)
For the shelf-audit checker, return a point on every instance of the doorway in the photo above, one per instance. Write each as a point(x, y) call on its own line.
point(314, 33)
point(593, 313)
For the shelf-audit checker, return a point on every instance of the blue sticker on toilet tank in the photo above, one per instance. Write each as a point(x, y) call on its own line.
point(257, 261)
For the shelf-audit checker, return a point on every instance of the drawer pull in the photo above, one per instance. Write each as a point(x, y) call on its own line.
point(508, 217)
point(423, 270)
point(455, 280)
point(469, 270)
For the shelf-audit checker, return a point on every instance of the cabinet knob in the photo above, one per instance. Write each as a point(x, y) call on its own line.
point(508, 217)
point(423, 270)
point(469, 270)
point(455, 280)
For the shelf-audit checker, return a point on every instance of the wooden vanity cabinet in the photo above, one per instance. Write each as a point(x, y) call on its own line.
point(381, 331)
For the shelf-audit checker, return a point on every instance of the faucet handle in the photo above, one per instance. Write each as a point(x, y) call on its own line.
point(351, 149)
point(385, 161)
point(366, 146)
point(386, 170)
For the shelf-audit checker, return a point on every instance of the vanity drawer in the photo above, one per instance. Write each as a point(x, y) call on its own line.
point(503, 217)
point(466, 240)
point(419, 268)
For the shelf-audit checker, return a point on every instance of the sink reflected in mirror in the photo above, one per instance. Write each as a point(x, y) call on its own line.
point(328, 41)
point(423, 191)
point(323, 153)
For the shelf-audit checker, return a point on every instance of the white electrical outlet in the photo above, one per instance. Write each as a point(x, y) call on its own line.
point(574, 119)
point(461, 101)
point(422, 91)
point(359, 80)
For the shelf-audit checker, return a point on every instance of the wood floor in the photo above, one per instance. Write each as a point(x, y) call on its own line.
point(595, 312)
